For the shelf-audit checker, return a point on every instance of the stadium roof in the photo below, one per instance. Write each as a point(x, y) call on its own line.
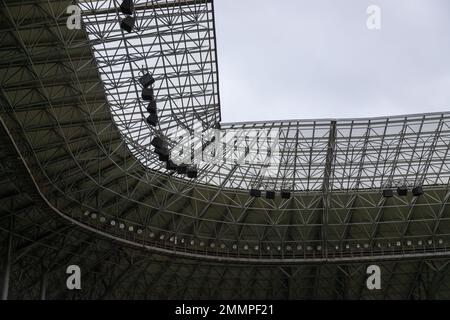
point(81, 184)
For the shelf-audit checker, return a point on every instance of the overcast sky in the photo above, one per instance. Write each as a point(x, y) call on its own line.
point(298, 59)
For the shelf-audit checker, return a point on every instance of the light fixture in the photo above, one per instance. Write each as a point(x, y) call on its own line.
point(285, 194)
point(127, 24)
point(127, 7)
point(270, 194)
point(163, 154)
point(170, 165)
point(151, 108)
point(152, 119)
point(255, 193)
point(417, 191)
point(157, 142)
point(402, 191)
point(388, 193)
point(148, 94)
point(192, 172)
point(182, 169)
point(146, 80)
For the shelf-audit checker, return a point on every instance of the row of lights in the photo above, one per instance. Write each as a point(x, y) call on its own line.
point(147, 81)
point(158, 142)
point(113, 223)
point(127, 24)
point(402, 191)
point(270, 194)
point(148, 95)
point(256, 247)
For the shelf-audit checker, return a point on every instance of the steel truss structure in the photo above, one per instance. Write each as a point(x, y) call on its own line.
point(80, 184)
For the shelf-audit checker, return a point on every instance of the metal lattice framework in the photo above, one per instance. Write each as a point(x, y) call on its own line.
point(89, 189)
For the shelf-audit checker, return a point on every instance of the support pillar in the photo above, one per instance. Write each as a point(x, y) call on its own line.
point(43, 295)
point(7, 272)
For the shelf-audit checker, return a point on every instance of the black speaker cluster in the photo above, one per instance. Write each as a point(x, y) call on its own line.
point(270, 194)
point(127, 8)
point(162, 150)
point(402, 191)
point(148, 95)
point(159, 141)
point(161, 146)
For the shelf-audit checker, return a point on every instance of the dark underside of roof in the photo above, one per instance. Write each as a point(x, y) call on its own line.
point(38, 245)
point(62, 154)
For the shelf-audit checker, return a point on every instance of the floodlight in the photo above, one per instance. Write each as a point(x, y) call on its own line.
point(417, 191)
point(127, 7)
point(147, 94)
point(127, 24)
point(146, 80)
point(402, 191)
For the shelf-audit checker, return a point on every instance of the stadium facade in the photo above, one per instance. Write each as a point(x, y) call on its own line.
point(82, 185)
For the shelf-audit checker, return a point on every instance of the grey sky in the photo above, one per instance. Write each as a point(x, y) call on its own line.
point(298, 59)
